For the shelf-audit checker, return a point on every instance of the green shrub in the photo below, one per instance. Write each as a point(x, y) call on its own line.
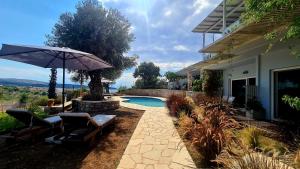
point(58, 100)
point(72, 94)
point(212, 82)
point(197, 85)
point(8, 122)
point(24, 98)
point(34, 108)
point(42, 101)
point(293, 102)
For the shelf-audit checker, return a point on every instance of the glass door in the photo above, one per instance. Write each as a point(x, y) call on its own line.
point(286, 82)
point(239, 92)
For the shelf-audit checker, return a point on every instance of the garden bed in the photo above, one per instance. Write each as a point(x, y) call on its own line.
point(105, 154)
point(216, 137)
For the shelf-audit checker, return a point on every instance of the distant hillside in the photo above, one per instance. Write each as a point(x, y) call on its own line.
point(30, 83)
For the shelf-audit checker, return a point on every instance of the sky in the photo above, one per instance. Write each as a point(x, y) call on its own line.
point(162, 29)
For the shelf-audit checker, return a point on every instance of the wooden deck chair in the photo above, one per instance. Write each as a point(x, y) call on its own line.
point(34, 126)
point(81, 127)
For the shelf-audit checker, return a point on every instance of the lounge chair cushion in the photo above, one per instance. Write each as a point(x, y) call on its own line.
point(84, 118)
point(103, 120)
point(30, 119)
point(53, 119)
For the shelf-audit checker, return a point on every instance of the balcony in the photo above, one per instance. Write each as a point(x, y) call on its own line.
point(223, 20)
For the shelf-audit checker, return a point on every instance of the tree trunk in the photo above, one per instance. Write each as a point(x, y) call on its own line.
point(106, 86)
point(95, 85)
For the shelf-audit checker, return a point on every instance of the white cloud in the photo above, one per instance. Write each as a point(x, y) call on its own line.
point(173, 66)
point(149, 48)
point(181, 48)
point(126, 79)
point(198, 7)
point(168, 12)
point(132, 29)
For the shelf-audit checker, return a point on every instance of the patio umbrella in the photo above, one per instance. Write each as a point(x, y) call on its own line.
point(53, 57)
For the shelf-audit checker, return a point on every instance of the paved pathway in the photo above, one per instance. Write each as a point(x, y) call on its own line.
point(155, 143)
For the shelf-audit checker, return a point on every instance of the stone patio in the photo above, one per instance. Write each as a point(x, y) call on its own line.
point(155, 143)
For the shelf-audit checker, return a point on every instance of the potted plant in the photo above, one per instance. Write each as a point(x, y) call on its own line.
point(50, 102)
point(257, 111)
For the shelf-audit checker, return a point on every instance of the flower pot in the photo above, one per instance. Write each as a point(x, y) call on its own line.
point(50, 102)
point(249, 114)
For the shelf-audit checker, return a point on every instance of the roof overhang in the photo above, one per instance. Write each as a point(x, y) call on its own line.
point(213, 22)
point(248, 33)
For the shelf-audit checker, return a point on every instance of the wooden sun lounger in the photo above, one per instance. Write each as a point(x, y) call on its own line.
point(33, 126)
point(81, 127)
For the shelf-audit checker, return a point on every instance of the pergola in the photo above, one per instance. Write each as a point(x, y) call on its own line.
point(225, 14)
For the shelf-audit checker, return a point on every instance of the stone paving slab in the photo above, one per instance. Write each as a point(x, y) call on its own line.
point(155, 143)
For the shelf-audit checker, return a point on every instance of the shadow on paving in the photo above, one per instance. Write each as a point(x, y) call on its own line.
point(106, 153)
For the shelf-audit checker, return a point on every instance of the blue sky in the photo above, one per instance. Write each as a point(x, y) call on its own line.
point(162, 30)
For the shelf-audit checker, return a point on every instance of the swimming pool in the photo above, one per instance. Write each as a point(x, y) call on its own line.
point(145, 101)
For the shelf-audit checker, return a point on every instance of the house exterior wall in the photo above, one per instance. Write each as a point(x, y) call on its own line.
point(278, 57)
point(236, 72)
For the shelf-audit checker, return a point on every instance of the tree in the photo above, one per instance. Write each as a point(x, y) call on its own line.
point(52, 84)
point(212, 82)
point(171, 76)
point(162, 84)
point(102, 32)
point(148, 74)
point(258, 10)
point(79, 77)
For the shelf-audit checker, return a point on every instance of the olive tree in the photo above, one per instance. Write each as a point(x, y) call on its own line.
point(100, 31)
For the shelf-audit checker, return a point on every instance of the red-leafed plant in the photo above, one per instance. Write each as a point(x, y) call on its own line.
point(203, 100)
point(177, 104)
point(211, 134)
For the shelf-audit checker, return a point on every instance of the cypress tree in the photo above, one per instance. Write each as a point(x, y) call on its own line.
point(52, 84)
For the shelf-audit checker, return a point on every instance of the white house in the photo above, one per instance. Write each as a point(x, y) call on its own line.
point(240, 51)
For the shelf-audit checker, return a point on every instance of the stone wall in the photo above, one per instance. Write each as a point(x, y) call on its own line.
point(154, 92)
point(94, 107)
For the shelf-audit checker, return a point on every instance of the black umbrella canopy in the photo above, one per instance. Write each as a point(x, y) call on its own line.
point(52, 57)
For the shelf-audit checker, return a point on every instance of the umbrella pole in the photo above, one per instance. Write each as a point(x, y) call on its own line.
point(63, 89)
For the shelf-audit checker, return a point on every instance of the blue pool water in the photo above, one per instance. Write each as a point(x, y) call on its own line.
point(145, 101)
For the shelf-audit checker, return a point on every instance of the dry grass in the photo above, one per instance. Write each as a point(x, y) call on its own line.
point(252, 161)
point(255, 139)
point(297, 159)
point(185, 125)
point(105, 155)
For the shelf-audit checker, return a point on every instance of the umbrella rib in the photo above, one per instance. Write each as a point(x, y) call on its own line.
point(52, 60)
point(55, 55)
point(80, 61)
